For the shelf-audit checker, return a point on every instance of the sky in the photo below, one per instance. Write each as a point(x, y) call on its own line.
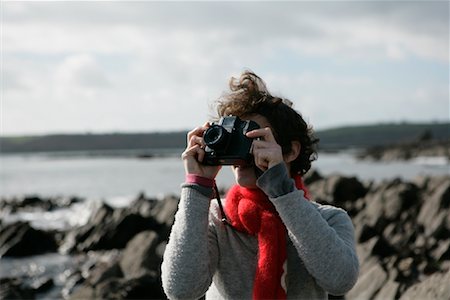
point(145, 66)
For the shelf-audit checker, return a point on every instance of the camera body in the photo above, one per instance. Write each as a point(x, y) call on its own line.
point(227, 144)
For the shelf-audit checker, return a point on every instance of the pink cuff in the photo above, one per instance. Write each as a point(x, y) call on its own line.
point(200, 180)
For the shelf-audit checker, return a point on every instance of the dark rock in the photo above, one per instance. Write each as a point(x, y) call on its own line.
point(369, 283)
point(43, 284)
point(311, 176)
point(407, 270)
point(346, 189)
point(20, 239)
point(339, 191)
point(400, 235)
point(13, 288)
point(364, 251)
point(83, 292)
point(364, 233)
point(388, 291)
point(36, 203)
point(140, 255)
point(435, 286)
point(390, 200)
point(403, 228)
point(147, 286)
point(408, 150)
point(442, 251)
point(72, 279)
point(164, 211)
point(143, 206)
point(104, 271)
point(382, 248)
point(164, 214)
point(435, 207)
point(108, 229)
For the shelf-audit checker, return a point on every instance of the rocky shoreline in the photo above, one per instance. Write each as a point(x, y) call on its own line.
point(402, 230)
point(424, 146)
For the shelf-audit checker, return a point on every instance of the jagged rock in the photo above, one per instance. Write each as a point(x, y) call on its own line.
point(104, 271)
point(402, 230)
point(140, 255)
point(408, 150)
point(442, 251)
point(147, 286)
point(13, 288)
point(164, 214)
point(311, 176)
point(435, 207)
point(82, 293)
point(34, 202)
point(435, 286)
point(20, 239)
point(71, 279)
point(364, 233)
point(43, 284)
point(164, 210)
point(339, 191)
point(108, 228)
point(389, 212)
point(368, 284)
point(24, 288)
point(143, 206)
point(345, 189)
point(388, 291)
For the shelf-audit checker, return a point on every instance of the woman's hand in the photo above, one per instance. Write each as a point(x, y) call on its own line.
point(195, 152)
point(265, 149)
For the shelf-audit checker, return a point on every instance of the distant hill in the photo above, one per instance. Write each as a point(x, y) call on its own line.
point(380, 135)
point(89, 142)
point(330, 139)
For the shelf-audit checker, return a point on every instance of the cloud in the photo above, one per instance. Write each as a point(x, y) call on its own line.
point(81, 71)
point(157, 65)
point(326, 28)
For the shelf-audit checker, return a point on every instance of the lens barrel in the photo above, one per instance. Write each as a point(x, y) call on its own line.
point(216, 137)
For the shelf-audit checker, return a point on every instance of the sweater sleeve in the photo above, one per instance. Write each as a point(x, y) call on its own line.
point(191, 255)
point(323, 235)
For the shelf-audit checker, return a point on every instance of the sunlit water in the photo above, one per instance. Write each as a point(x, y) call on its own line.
point(114, 178)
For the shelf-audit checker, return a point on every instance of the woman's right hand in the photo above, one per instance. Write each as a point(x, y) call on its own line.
point(195, 153)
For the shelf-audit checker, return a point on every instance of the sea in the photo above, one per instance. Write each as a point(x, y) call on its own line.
point(118, 177)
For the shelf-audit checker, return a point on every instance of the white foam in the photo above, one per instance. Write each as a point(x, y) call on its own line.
point(431, 160)
point(59, 219)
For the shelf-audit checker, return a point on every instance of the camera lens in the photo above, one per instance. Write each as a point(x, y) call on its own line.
point(215, 137)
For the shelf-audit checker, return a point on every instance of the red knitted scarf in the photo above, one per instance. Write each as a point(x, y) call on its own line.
point(251, 211)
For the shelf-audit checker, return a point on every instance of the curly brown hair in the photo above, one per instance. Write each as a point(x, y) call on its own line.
point(249, 95)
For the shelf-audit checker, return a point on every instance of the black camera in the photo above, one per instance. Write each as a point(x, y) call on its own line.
point(227, 144)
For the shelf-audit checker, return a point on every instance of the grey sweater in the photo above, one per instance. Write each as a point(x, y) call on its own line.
point(206, 256)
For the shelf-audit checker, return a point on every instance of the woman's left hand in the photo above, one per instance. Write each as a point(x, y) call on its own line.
point(265, 149)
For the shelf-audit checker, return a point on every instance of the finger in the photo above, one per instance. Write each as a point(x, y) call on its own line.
point(198, 131)
point(260, 144)
point(194, 151)
point(261, 162)
point(200, 154)
point(267, 155)
point(197, 140)
point(264, 133)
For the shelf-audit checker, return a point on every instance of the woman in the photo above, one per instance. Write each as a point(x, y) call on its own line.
point(277, 243)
